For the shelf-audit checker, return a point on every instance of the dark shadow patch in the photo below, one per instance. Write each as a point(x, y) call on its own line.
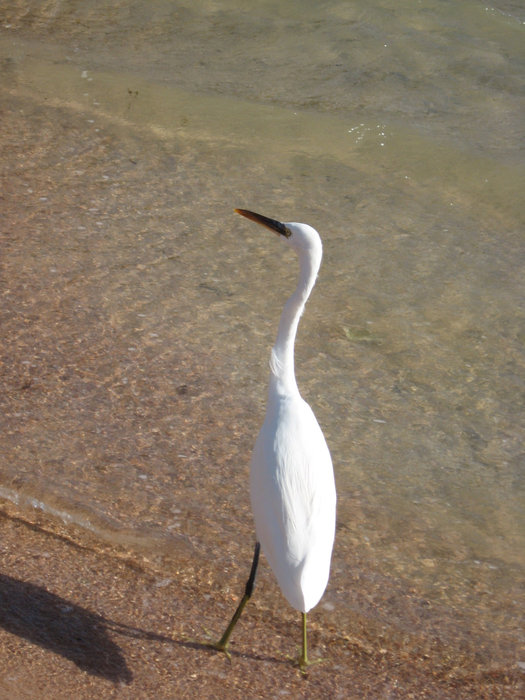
point(62, 627)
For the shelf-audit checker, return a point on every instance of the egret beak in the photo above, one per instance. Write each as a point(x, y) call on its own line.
point(272, 224)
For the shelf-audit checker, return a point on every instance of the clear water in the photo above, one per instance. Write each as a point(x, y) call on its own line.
point(139, 311)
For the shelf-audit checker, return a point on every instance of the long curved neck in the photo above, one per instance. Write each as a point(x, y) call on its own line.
point(282, 357)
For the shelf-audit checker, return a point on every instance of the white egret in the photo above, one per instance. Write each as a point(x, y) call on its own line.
point(292, 481)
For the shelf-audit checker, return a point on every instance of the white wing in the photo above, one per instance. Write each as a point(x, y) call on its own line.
point(293, 500)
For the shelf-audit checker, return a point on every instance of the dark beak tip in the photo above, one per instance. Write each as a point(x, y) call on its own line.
point(272, 224)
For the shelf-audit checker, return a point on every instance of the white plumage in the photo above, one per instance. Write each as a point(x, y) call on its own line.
point(291, 476)
point(293, 498)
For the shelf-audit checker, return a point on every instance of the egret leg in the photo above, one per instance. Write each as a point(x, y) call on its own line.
point(303, 661)
point(222, 644)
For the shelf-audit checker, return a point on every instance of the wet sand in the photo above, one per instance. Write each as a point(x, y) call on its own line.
point(78, 621)
point(86, 616)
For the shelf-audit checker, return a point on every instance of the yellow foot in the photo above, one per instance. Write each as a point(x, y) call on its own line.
point(219, 646)
point(303, 663)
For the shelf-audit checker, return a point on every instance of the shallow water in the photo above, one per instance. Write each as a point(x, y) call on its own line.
point(139, 311)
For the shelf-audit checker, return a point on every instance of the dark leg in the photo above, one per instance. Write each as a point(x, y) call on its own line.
point(222, 644)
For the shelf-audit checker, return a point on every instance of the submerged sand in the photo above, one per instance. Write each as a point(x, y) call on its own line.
point(82, 617)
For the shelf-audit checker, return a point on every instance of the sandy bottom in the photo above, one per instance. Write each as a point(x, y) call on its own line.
point(84, 619)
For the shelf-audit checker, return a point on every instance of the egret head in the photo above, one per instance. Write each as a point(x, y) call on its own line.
point(301, 237)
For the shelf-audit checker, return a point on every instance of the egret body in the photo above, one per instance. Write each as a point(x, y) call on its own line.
point(291, 475)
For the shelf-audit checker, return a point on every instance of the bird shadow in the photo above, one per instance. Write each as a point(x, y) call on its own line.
point(79, 635)
point(205, 644)
point(43, 618)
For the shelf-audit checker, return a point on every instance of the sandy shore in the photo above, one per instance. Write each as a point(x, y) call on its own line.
point(76, 621)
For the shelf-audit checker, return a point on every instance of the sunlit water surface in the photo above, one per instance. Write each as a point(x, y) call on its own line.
point(139, 311)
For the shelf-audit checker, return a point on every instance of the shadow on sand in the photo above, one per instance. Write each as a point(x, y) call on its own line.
point(56, 624)
point(64, 628)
